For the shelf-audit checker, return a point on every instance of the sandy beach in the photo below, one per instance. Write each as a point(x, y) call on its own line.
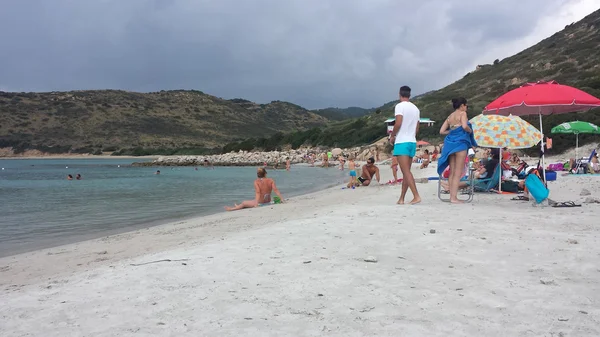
point(494, 267)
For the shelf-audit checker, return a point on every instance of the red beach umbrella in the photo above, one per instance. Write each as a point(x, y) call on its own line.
point(542, 98)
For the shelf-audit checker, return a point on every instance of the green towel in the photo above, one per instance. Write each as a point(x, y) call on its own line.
point(276, 200)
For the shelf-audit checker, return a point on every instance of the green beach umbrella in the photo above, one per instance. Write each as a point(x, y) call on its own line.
point(576, 128)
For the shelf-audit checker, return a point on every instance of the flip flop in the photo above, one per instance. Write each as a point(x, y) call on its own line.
point(445, 192)
point(520, 198)
point(566, 204)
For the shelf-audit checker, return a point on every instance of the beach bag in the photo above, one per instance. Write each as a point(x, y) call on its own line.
point(510, 186)
point(556, 167)
point(536, 187)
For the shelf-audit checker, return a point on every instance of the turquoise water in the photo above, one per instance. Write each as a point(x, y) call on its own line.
point(39, 208)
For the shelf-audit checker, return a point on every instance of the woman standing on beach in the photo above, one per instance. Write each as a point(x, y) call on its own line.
point(459, 138)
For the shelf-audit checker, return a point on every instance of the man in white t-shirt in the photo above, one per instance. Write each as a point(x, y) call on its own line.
point(404, 138)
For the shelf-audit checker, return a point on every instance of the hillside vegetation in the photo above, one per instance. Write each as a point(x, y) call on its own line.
point(338, 114)
point(140, 123)
point(570, 57)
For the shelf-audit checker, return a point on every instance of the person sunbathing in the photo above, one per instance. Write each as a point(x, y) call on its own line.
point(263, 187)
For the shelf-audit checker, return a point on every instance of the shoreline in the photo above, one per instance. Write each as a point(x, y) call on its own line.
point(65, 156)
point(47, 245)
point(332, 262)
point(158, 226)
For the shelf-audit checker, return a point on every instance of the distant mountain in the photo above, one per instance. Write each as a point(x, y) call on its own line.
point(108, 120)
point(338, 114)
point(570, 57)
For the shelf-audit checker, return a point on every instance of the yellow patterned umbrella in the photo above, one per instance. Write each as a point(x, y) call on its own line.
point(504, 131)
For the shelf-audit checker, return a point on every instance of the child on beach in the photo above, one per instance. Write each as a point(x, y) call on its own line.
point(352, 169)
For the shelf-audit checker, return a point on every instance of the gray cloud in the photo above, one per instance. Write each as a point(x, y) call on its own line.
point(316, 53)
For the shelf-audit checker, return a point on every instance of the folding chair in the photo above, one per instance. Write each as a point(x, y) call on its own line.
point(582, 164)
point(490, 183)
point(469, 177)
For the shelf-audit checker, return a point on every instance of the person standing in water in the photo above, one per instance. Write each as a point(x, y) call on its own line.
point(404, 138)
point(342, 161)
point(325, 160)
point(263, 187)
point(288, 164)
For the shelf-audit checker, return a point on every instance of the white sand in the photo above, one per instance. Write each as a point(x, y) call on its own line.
point(492, 268)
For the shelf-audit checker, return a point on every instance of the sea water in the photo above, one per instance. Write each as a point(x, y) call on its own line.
point(40, 208)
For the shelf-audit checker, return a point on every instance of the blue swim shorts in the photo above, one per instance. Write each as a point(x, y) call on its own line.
point(352, 173)
point(408, 149)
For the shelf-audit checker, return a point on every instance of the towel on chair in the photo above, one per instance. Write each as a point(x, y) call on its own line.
point(457, 140)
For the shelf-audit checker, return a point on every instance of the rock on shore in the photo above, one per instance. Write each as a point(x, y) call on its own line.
point(245, 158)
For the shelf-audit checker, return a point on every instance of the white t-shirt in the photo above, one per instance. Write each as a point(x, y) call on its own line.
point(410, 118)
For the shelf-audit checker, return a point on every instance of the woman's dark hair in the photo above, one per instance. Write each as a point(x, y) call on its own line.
point(457, 102)
point(495, 153)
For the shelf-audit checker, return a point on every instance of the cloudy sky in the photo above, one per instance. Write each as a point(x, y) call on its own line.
point(316, 53)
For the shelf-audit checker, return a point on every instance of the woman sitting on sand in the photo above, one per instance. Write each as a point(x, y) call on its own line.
point(459, 138)
point(263, 187)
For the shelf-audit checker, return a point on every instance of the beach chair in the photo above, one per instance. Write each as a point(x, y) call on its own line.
point(581, 165)
point(490, 183)
point(469, 176)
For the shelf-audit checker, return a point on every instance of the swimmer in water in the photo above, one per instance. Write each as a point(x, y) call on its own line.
point(157, 172)
point(263, 187)
point(78, 176)
point(69, 177)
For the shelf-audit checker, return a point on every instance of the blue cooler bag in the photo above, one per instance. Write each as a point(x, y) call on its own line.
point(536, 188)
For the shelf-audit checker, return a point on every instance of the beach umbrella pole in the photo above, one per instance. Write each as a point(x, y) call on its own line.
point(576, 146)
point(501, 173)
point(543, 153)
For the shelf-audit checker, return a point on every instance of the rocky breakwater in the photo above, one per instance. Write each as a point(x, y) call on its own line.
point(242, 158)
point(272, 158)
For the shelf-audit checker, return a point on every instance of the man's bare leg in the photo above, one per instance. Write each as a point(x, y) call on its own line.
point(408, 181)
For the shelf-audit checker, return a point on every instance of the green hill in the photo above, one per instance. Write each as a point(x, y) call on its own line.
point(570, 57)
point(339, 114)
point(108, 120)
